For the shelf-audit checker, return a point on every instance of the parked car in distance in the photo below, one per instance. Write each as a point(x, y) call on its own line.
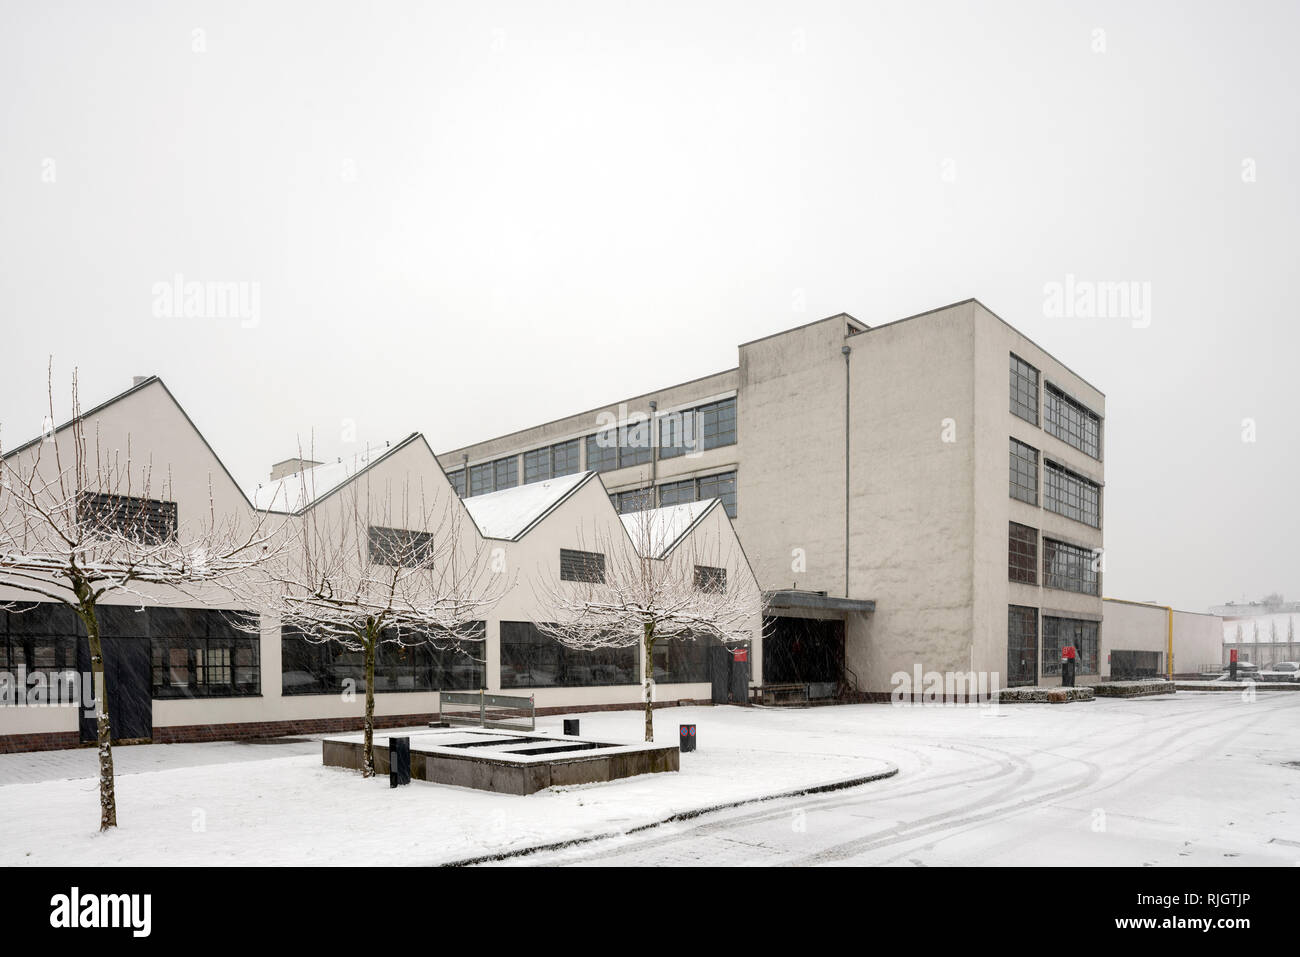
point(1245, 670)
point(1282, 671)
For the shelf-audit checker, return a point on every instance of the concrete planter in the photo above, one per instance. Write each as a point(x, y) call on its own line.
point(1134, 689)
point(1045, 695)
point(492, 760)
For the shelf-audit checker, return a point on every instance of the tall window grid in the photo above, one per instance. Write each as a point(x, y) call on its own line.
point(1024, 389)
point(1071, 421)
point(1022, 644)
point(1024, 472)
point(1071, 495)
point(704, 427)
point(602, 452)
point(636, 500)
point(1059, 633)
point(551, 461)
point(636, 444)
point(1070, 567)
point(721, 486)
point(494, 476)
point(1022, 554)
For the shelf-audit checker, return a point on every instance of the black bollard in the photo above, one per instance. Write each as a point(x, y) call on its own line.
point(571, 726)
point(688, 737)
point(399, 761)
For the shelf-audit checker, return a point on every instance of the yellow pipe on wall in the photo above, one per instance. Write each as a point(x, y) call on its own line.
point(1169, 629)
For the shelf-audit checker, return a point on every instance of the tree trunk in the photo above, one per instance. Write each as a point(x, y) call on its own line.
point(368, 768)
point(649, 680)
point(103, 733)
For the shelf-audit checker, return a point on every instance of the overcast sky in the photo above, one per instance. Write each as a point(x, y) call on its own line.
point(467, 218)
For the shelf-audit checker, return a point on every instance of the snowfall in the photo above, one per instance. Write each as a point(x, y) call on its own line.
point(1192, 778)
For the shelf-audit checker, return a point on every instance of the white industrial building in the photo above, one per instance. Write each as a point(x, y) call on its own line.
point(924, 492)
point(180, 670)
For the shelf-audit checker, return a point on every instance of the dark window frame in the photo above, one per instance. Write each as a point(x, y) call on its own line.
point(1022, 553)
point(1071, 421)
point(1069, 567)
point(1083, 634)
point(210, 661)
point(530, 659)
point(633, 500)
point(149, 520)
point(1023, 385)
point(710, 578)
point(712, 425)
point(385, 543)
point(412, 665)
point(577, 565)
point(1068, 493)
point(1023, 467)
point(601, 458)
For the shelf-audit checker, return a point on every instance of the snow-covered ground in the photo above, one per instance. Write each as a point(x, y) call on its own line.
point(1192, 778)
point(270, 803)
point(1203, 778)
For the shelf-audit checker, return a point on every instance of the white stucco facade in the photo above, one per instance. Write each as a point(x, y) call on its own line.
point(159, 433)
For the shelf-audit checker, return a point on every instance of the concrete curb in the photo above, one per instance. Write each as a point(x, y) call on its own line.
point(1241, 686)
point(889, 772)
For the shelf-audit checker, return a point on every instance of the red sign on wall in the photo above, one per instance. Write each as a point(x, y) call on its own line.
point(1232, 655)
point(741, 654)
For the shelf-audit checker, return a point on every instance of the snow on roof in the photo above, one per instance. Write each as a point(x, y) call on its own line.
point(509, 512)
point(666, 526)
point(296, 491)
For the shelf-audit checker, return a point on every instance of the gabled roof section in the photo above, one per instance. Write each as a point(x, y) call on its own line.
point(513, 512)
point(299, 491)
point(89, 414)
point(667, 526)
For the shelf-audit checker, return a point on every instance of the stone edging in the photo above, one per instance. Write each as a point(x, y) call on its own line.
point(889, 772)
point(1240, 686)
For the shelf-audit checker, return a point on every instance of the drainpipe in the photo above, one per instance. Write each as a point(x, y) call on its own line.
point(1169, 657)
point(654, 452)
point(845, 351)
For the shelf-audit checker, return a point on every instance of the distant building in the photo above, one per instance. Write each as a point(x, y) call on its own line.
point(1137, 637)
point(1263, 639)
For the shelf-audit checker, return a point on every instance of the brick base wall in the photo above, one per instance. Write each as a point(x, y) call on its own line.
point(177, 734)
point(624, 706)
point(47, 741)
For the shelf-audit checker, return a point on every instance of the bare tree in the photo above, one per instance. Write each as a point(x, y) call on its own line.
point(370, 568)
point(646, 591)
point(79, 524)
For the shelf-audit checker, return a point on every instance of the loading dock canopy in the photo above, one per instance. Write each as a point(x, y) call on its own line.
point(818, 600)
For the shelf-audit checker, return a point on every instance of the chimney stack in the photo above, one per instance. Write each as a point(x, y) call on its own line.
point(289, 466)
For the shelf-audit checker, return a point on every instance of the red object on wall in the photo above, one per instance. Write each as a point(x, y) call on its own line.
point(741, 654)
point(1232, 655)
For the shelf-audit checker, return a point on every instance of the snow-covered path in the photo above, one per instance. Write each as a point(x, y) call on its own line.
point(1186, 779)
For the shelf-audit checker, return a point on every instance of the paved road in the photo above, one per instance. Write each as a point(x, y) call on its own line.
point(1196, 778)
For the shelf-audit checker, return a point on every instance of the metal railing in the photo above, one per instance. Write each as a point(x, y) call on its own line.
point(513, 712)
